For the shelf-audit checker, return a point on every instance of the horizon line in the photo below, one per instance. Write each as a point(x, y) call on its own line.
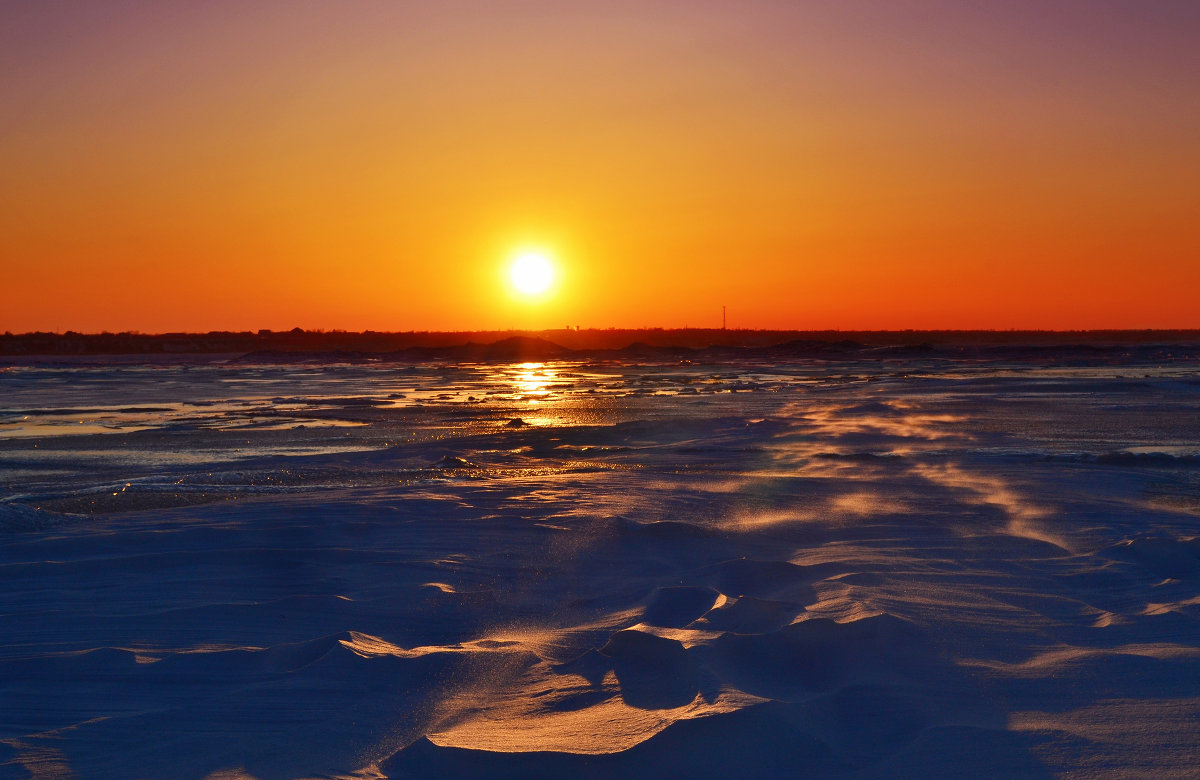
point(8, 334)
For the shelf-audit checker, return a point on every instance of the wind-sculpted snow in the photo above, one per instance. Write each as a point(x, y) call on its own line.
point(897, 568)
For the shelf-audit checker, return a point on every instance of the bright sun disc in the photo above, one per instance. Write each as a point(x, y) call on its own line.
point(531, 273)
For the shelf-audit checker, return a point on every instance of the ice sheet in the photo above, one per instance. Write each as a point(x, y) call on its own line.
point(597, 569)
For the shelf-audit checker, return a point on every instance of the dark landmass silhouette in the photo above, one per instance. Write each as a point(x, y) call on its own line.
point(653, 344)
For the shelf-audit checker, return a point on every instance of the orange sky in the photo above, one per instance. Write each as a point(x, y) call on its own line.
point(184, 166)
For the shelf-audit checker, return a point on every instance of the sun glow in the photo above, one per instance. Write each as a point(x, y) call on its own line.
point(531, 273)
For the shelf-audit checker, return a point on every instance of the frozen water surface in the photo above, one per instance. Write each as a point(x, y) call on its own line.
point(832, 569)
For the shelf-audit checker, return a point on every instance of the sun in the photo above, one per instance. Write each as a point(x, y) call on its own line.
point(531, 273)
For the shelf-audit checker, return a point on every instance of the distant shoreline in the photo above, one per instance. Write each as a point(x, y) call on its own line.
point(664, 343)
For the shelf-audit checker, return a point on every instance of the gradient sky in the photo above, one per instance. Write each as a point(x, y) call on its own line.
point(901, 164)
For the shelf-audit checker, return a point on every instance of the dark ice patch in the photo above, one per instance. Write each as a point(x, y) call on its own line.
point(677, 606)
point(654, 673)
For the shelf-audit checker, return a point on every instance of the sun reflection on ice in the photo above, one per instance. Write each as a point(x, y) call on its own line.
point(533, 381)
